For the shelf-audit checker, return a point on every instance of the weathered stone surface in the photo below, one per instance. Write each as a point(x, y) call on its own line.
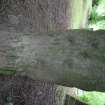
point(47, 15)
point(70, 58)
point(25, 91)
point(35, 16)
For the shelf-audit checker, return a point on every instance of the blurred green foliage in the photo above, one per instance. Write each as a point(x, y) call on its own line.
point(93, 98)
point(97, 17)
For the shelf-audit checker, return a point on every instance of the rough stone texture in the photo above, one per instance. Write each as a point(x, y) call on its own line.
point(25, 91)
point(34, 16)
point(70, 58)
point(39, 16)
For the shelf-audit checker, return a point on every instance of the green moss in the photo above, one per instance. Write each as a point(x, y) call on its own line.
point(84, 54)
point(7, 70)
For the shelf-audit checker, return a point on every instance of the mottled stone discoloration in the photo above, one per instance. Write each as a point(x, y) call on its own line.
point(54, 57)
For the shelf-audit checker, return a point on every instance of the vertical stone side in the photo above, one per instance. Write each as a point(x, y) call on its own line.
point(25, 91)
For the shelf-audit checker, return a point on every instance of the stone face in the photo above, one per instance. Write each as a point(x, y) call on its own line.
point(13, 19)
point(39, 16)
point(50, 15)
point(25, 91)
point(70, 58)
point(29, 16)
